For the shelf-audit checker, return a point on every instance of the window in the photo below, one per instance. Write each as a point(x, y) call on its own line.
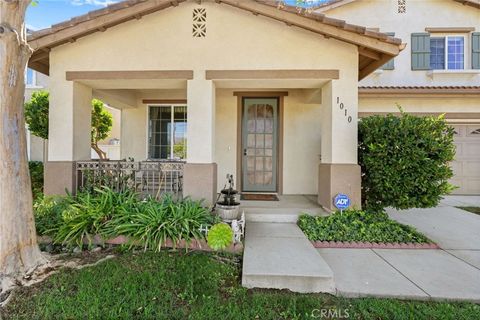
point(30, 77)
point(447, 53)
point(167, 132)
point(437, 53)
point(455, 53)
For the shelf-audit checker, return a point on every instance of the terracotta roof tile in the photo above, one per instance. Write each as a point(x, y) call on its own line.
point(420, 87)
point(299, 11)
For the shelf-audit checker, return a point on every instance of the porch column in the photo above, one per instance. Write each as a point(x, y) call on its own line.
point(200, 173)
point(339, 171)
point(69, 134)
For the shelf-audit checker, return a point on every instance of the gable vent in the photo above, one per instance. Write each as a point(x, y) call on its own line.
point(199, 29)
point(402, 6)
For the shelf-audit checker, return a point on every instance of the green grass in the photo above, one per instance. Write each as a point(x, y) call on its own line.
point(471, 209)
point(357, 225)
point(175, 285)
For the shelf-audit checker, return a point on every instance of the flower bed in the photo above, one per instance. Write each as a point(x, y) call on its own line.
point(360, 229)
point(72, 220)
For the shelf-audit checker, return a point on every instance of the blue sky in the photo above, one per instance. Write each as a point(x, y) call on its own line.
point(48, 12)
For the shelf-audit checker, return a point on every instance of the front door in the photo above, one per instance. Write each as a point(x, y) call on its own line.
point(259, 144)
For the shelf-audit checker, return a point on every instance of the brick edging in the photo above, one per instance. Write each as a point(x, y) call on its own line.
point(373, 245)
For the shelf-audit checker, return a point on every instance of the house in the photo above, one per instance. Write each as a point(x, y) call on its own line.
point(34, 81)
point(439, 72)
point(250, 88)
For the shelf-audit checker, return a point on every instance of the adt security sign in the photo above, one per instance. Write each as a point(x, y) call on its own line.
point(341, 201)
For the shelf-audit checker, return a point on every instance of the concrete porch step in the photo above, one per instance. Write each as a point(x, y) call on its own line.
point(279, 256)
point(278, 215)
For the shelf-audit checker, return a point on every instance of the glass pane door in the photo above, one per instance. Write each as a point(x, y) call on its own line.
point(260, 144)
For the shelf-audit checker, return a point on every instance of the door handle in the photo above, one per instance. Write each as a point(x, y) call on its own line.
point(244, 152)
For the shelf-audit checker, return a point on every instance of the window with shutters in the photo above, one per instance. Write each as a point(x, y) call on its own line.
point(447, 53)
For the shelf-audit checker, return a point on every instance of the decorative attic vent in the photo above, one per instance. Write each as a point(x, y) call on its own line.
point(199, 23)
point(402, 6)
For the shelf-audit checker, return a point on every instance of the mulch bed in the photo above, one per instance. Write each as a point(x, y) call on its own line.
point(373, 245)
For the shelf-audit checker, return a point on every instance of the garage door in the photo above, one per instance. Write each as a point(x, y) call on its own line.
point(466, 166)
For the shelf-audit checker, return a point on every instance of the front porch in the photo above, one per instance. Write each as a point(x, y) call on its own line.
point(290, 133)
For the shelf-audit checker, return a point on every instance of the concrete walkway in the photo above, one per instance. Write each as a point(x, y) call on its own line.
point(403, 273)
point(279, 256)
point(452, 273)
point(461, 201)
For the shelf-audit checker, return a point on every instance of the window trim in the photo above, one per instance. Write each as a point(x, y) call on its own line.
point(172, 106)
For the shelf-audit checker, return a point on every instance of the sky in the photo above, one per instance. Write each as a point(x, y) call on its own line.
point(48, 12)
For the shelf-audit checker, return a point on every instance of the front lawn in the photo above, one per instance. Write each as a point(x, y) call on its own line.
point(361, 226)
point(471, 209)
point(175, 285)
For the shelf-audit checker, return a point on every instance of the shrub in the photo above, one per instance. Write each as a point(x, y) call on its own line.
point(405, 160)
point(36, 177)
point(48, 213)
point(220, 236)
point(357, 225)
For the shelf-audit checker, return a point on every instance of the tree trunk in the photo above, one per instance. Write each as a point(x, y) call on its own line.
point(19, 252)
point(101, 154)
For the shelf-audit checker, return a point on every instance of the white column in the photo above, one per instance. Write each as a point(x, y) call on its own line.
point(338, 171)
point(200, 172)
point(201, 119)
point(69, 122)
point(339, 122)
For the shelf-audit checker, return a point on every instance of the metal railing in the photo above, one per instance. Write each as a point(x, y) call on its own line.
point(147, 178)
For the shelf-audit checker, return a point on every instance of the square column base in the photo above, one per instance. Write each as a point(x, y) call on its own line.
point(335, 178)
point(58, 176)
point(200, 182)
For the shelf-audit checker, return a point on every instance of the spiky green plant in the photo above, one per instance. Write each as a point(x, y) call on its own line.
point(89, 214)
point(220, 236)
point(153, 222)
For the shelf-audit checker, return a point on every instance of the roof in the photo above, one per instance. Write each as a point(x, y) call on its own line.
point(378, 90)
point(338, 3)
point(375, 48)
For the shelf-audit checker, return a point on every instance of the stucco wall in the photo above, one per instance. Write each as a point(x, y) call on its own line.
point(420, 14)
point(419, 104)
point(235, 39)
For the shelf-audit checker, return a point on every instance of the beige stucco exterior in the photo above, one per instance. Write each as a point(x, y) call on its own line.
point(314, 128)
point(462, 109)
point(383, 14)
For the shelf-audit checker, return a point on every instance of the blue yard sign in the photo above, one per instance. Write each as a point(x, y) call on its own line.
point(341, 201)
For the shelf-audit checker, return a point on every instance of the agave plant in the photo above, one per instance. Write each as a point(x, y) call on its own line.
point(220, 236)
